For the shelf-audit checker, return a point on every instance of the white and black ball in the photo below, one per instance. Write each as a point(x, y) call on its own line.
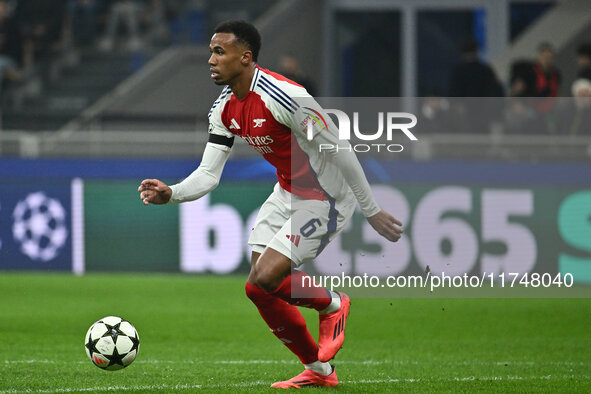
point(112, 343)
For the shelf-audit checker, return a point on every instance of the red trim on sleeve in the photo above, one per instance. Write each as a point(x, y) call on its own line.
point(279, 76)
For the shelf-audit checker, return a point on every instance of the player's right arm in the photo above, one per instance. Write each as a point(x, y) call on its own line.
point(346, 161)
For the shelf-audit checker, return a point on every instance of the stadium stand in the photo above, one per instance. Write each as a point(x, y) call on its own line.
point(119, 101)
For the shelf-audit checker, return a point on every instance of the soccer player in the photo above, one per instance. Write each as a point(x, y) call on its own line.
point(315, 196)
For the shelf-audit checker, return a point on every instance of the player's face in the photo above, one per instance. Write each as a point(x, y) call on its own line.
point(226, 60)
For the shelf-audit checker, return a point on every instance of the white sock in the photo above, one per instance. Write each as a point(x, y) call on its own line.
point(319, 367)
point(335, 304)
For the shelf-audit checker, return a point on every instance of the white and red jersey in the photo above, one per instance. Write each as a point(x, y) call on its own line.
point(272, 118)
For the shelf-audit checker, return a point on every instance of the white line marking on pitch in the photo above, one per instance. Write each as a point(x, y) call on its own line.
point(345, 362)
point(179, 387)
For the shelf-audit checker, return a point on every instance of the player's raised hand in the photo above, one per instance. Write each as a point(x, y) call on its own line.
point(386, 225)
point(154, 191)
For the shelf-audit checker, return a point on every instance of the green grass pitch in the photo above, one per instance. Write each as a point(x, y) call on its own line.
point(201, 334)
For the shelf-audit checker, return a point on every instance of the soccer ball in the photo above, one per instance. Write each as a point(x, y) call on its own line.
point(112, 343)
point(40, 226)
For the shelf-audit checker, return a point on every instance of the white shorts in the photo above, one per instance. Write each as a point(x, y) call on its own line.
point(298, 228)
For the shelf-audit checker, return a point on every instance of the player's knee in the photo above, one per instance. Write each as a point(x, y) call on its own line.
point(266, 279)
point(270, 270)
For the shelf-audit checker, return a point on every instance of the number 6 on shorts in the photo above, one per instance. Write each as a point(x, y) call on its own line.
point(310, 227)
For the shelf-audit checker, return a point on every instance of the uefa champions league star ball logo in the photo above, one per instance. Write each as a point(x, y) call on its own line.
point(40, 226)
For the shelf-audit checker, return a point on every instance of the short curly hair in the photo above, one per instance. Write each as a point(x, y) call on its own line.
point(245, 33)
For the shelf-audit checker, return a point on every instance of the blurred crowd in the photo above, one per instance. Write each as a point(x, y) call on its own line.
point(31, 30)
point(477, 101)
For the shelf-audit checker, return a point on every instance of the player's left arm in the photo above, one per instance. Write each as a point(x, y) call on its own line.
point(203, 180)
point(326, 133)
